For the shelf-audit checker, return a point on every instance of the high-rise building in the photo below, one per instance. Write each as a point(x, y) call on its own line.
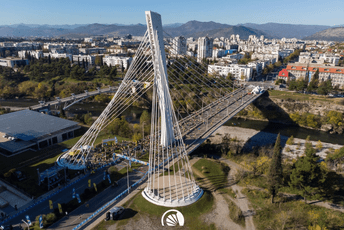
point(179, 46)
point(205, 48)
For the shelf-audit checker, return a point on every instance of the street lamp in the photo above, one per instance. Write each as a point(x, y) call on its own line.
point(127, 175)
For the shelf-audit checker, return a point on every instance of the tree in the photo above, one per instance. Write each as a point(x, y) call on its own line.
point(145, 117)
point(307, 175)
point(290, 140)
point(325, 87)
point(137, 137)
point(275, 171)
point(98, 60)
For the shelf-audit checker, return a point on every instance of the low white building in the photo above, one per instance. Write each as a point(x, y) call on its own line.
point(115, 60)
point(239, 72)
point(88, 39)
point(11, 62)
point(34, 53)
point(57, 55)
point(90, 59)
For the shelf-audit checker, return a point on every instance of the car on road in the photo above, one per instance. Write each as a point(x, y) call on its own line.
point(114, 213)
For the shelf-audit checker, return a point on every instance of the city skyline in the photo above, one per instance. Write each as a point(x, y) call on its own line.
point(108, 12)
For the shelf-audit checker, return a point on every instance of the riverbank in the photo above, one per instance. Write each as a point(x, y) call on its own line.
point(253, 138)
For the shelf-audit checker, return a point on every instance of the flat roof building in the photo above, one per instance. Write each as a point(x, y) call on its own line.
point(29, 130)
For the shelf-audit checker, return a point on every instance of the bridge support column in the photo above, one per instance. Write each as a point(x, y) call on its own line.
point(170, 178)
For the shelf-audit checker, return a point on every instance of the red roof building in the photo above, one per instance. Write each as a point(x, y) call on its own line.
point(301, 70)
point(283, 74)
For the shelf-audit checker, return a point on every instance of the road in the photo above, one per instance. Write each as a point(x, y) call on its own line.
point(77, 97)
point(83, 212)
point(63, 197)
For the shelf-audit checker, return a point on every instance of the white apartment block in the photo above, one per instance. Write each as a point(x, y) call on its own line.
point(33, 53)
point(239, 72)
point(88, 39)
point(57, 55)
point(90, 59)
point(205, 48)
point(115, 60)
point(11, 62)
point(179, 46)
point(316, 58)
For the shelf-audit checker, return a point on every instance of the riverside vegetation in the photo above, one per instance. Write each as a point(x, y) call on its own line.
point(282, 190)
point(315, 112)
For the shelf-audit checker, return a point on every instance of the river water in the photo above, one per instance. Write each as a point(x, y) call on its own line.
point(133, 115)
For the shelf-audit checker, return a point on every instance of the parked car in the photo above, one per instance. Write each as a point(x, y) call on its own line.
point(114, 213)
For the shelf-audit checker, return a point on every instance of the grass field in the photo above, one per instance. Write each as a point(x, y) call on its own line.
point(303, 97)
point(214, 171)
point(139, 208)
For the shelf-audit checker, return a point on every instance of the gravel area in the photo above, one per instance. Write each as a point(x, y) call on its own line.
point(254, 138)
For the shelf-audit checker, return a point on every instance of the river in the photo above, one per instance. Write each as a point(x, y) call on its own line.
point(133, 115)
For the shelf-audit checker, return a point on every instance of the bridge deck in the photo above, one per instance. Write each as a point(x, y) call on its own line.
point(203, 125)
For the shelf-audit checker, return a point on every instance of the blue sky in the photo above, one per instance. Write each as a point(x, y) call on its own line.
point(310, 12)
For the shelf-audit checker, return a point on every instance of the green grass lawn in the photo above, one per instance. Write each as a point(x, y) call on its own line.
point(139, 207)
point(214, 171)
point(300, 96)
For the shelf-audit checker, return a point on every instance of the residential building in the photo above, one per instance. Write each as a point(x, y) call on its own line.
point(179, 46)
point(239, 72)
point(34, 53)
point(307, 71)
point(11, 62)
point(120, 61)
point(205, 48)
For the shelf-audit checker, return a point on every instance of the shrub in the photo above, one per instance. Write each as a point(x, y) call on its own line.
point(236, 214)
point(50, 217)
point(290, 140)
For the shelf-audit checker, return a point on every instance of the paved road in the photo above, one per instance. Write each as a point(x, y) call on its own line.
point(63, 197)
point(83, 212)
point(75, 97)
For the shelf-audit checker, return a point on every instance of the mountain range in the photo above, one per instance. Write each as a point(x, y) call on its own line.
point(331, 34)
point(189, 29)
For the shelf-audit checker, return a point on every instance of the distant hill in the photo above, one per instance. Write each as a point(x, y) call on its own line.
point(278, 30)
point(193, 27)
point(331, 34)
point(112, 30)
point(189, 29)
point(244, 32)
point(23, 31)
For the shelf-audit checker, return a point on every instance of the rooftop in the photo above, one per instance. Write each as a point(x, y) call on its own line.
point(28, 125)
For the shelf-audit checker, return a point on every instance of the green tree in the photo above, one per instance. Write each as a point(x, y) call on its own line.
point(307, 175)
point(275, 171)
point(137, 137)
point(145, 118)
point(290, 140)
point(313, 84)
point(325, 87)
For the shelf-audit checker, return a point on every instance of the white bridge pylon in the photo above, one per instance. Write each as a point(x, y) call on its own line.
point(170, 179)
